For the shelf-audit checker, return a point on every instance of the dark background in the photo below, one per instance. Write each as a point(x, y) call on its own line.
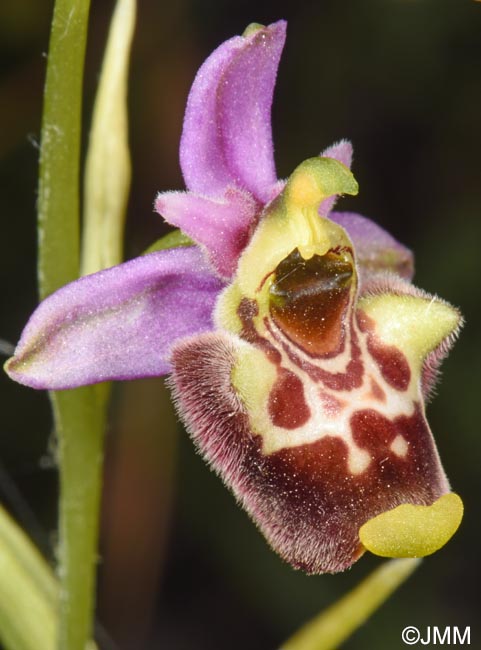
point(181, 566)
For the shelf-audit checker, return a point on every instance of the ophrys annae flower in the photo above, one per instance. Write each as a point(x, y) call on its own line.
point(300, 353)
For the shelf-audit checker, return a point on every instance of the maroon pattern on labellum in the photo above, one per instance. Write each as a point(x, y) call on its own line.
point(377, 392)
point(247, 311)
point(288, 413)
point(391, 361)
point(347, 380)
point(306, 501)
point(390, 284)
point(351, 378)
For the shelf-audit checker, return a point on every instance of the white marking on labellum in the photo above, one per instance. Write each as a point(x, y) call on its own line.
point(399, 446)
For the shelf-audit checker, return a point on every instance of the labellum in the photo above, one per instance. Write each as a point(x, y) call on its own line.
point(308, 400)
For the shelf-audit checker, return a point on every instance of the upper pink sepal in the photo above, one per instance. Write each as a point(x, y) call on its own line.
point(227, 137)
point(117, 324)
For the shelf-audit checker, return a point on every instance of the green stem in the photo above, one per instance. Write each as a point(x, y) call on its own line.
point(80, 419)
point(58, 197)
point(328, 630)
point(79, 415)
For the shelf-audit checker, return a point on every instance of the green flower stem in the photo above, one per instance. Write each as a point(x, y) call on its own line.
point(58, 197)
point(80, 421)
point(28, 592)
point(79, 415)
point(338, 622)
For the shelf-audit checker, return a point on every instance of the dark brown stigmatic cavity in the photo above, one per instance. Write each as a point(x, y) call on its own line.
point(308, 299)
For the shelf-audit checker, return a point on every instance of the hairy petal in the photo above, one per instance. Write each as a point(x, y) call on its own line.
point(227, 137)
point(222, 225)
point(376, 250)
point(117, 324)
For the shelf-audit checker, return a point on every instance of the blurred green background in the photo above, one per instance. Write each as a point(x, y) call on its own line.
point(181, 566)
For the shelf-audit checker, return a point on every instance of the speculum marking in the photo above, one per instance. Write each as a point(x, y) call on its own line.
point(309, 298)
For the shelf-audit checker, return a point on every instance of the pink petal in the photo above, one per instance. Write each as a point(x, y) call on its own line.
point(227, 138)
point(221, 225)
point(117, 324)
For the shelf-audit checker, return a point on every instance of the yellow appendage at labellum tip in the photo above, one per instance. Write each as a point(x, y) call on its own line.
point(413, 530)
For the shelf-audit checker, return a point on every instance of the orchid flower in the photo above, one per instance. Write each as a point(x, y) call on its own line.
point(300, 353)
